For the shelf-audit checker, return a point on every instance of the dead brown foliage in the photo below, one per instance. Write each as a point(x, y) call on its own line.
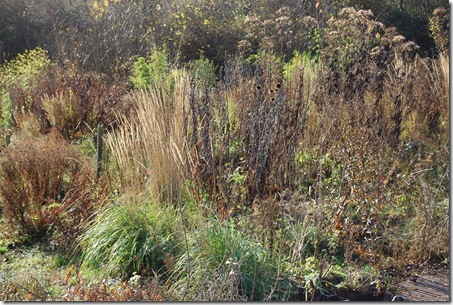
point(36, 174)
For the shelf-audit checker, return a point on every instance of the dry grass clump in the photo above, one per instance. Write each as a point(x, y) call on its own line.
point(220, 264)
point(151, 147)
point(64, 112)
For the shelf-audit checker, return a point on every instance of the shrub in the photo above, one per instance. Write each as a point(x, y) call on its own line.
point(283, 33)
point(18, 79)
point(36, 173)
point(411, 19)
point(351, 51)
point(133, 235)
point(25, 67)
point(68, 100)
point(439, 28)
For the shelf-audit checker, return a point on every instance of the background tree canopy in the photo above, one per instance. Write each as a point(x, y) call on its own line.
point(120, 29)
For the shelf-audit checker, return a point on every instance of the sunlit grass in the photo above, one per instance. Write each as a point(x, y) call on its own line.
point(220, 264)
point(127, 237)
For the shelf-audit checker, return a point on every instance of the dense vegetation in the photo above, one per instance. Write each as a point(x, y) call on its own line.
point(253, 150)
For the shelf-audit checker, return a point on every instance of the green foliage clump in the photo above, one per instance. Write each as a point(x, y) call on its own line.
point(134, 235)
point(142, 73)
point(222, 264)
point(59, 260)
point(154, 70)
point(203, 71)
point(315, 168)
point(24, 68)
point(7, 109)
point(298, 61)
